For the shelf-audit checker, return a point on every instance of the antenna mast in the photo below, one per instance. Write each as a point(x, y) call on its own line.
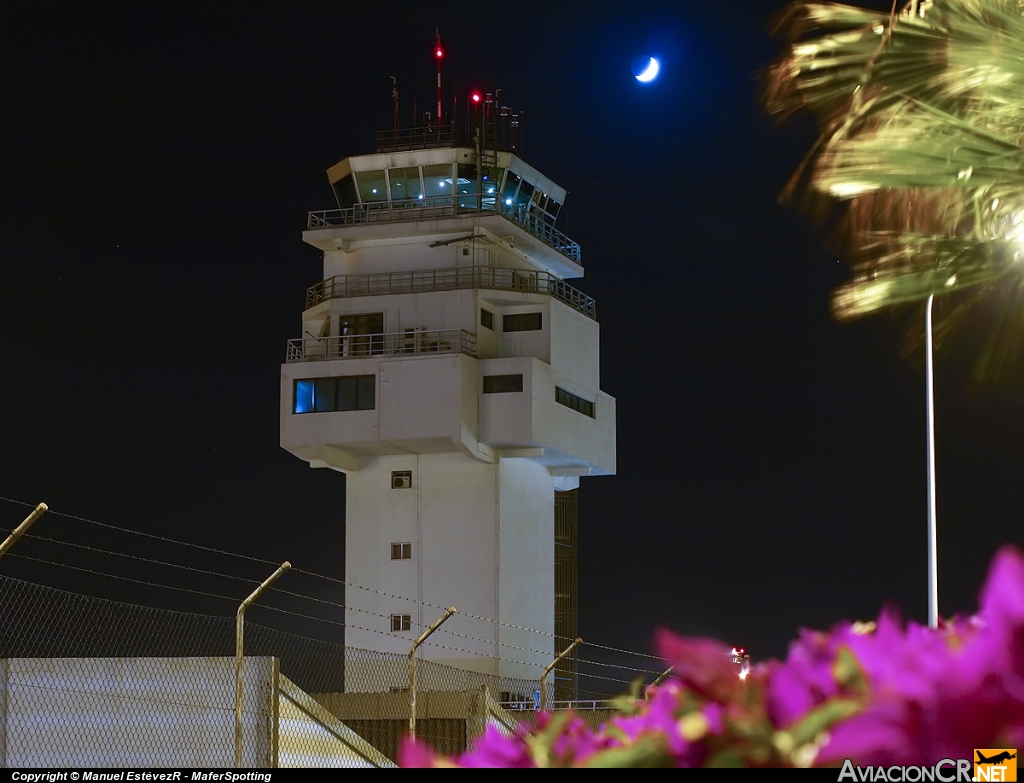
point(394, 97)
point(438, 54)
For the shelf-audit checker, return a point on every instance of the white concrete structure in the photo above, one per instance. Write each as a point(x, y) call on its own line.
point(449, 371)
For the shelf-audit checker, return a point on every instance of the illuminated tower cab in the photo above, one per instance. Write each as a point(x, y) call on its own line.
point(447, 368)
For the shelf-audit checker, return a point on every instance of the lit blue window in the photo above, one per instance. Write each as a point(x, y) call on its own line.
point(303, 396)
point(326, 395)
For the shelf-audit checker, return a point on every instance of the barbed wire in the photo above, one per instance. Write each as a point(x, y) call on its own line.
point(270, 607)
point(305, 572)
point(123, 578)
point(164, 539)
point(140, 558)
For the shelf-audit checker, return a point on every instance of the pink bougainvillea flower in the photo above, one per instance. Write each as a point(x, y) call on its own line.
point(704, 665)
point(940, 693)
point(413, 754)
point(497, 750)
point(805, 680)
point(883, 694)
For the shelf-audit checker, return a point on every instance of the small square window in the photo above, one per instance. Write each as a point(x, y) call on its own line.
point(401, 551)
point(486, 319)
point(401, 622)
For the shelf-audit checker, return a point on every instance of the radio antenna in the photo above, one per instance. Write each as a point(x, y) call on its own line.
point(438, 55)
point(394, 97)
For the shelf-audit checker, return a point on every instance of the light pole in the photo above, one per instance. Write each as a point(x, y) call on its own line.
point(933, 558)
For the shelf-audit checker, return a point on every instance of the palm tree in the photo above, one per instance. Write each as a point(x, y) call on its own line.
point(921, 118)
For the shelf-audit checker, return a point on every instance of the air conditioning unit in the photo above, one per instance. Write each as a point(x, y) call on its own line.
point(401, 479)
point(411, 338)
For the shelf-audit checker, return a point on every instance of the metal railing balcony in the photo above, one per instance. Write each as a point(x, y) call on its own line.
point(450, 279)
point(362, 346)
point(425, 137)
point(428, 208)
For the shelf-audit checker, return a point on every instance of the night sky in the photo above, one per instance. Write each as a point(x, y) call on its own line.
point(157, 170)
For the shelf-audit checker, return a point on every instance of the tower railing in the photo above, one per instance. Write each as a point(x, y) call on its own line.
point(427, 208)
point(362, 346)
point(450, 279)
point(425, 137)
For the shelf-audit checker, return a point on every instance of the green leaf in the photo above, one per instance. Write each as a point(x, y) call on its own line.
point(647, 752)
point(848, 672)
point(809, 728)
point(729, 757)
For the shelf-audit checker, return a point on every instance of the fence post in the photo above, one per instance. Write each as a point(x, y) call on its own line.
point(239, 635)
point(549, 667)
point(21, 529)
point(657, 681)
point(412, 667)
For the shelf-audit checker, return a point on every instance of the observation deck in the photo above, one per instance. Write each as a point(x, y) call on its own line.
point(448, 187)
point(451, 279)
point(424, 208)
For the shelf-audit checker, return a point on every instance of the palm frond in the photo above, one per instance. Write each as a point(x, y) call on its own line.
point(921, 121)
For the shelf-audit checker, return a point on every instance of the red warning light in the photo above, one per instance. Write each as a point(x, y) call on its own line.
point(476, 97)
point(438, 53)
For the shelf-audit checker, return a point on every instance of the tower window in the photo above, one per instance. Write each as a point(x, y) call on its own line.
point(401, 479)
point(522, 322)
point(326, 395)
point(500, 384)
point(401, 551)
point(486, 319)
point(401, 622)
point(570, 400)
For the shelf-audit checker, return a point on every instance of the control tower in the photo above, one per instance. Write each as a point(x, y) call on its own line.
point(450, 371)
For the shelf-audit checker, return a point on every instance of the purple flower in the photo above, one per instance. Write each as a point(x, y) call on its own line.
point(805, 680)
point(705, 665)
point(495, 749)
point(940, 693)
point(413, 754)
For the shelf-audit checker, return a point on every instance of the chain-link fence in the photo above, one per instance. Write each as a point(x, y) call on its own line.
point(92, 682)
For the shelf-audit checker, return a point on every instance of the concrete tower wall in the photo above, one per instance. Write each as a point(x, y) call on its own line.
point(480, 541)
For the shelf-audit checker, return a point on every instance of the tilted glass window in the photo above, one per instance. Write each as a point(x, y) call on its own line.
point(551, 212)
point(437, 183)
point(465, 185)
point(486, 319)
point(508, 193)
point(405, 185)
point(372, 187)
point(490, 181)
point(345, 192)
point(539, 202)
point(524, 196)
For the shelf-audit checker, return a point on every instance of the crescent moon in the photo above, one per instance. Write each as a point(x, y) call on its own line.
point(651, 71)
